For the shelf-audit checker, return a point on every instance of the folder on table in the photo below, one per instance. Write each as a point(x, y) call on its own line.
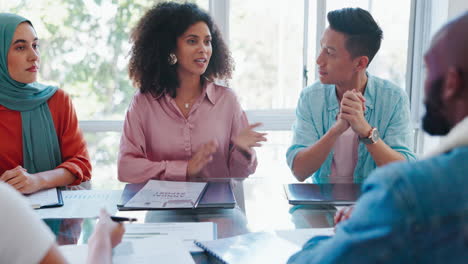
point(334, 194)
point(215, 195)
point(46, 198)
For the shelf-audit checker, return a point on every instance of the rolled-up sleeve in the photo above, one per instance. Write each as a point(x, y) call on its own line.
point(304, 130)
point(73, 147)
point(399, 133)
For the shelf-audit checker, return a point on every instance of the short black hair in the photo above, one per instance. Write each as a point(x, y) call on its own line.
point(155, 37)
point(363, 34)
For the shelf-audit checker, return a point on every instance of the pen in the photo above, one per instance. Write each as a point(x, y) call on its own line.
point(122, 219)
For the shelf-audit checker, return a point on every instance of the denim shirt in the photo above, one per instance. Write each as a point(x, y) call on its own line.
point(413, 212)
point(387, 109)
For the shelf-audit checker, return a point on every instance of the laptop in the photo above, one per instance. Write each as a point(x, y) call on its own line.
point(332, 194)
point(216, 195)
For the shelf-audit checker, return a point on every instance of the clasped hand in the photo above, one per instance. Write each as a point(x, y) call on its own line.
point(352, 109)
point(21, 180)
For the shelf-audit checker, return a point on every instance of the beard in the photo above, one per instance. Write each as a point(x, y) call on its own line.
point(434, 121)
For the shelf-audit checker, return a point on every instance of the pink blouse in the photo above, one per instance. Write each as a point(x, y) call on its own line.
point(158, 141)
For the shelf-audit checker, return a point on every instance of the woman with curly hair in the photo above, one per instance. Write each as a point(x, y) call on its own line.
point(180, 124)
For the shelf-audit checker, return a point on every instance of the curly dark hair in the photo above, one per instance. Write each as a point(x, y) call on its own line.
point(155, 37)
point(363, 34)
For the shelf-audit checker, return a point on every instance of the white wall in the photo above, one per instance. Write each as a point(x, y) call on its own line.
point(457, 7)
point(441, 12)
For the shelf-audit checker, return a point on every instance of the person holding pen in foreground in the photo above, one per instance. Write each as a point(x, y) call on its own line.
point(180, 124)
point(41, 145)
point(27, 239)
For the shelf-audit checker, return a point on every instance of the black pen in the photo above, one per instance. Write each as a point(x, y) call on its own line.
point(122, 219)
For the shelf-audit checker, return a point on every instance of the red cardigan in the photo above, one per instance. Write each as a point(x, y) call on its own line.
point(72, 144)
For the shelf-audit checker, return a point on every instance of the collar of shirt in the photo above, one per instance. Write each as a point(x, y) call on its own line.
point(209, 91)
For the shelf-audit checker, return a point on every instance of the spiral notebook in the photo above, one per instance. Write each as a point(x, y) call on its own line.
point(259, 247)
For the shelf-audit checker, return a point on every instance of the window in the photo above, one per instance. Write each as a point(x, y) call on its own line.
point(266, 39)
point(84, 49)
point(393, 17)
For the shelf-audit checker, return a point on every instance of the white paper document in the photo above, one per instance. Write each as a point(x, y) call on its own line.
point(75, 254)
point(186, 232)
point(301, 236)
point(164, 249)
point(167, 194)
point(44, 197)
point(83, 204)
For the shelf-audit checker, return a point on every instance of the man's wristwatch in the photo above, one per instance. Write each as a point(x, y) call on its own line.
point(372, 138)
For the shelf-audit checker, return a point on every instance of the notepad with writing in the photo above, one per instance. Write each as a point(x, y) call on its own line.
point(46, 198)
point(167, 195)
point(259, 247)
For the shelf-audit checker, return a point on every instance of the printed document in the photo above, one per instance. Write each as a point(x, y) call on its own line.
point(165, 249)
point(186, 232)
point(83, 204)
point(168, 194)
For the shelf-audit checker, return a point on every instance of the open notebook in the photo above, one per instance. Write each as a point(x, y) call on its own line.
point(260, 247)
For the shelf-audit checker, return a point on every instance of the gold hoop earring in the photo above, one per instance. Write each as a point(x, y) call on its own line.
point(172, 59)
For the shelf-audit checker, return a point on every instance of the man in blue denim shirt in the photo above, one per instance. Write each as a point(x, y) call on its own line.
point(416, 212)
point(349, 106)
